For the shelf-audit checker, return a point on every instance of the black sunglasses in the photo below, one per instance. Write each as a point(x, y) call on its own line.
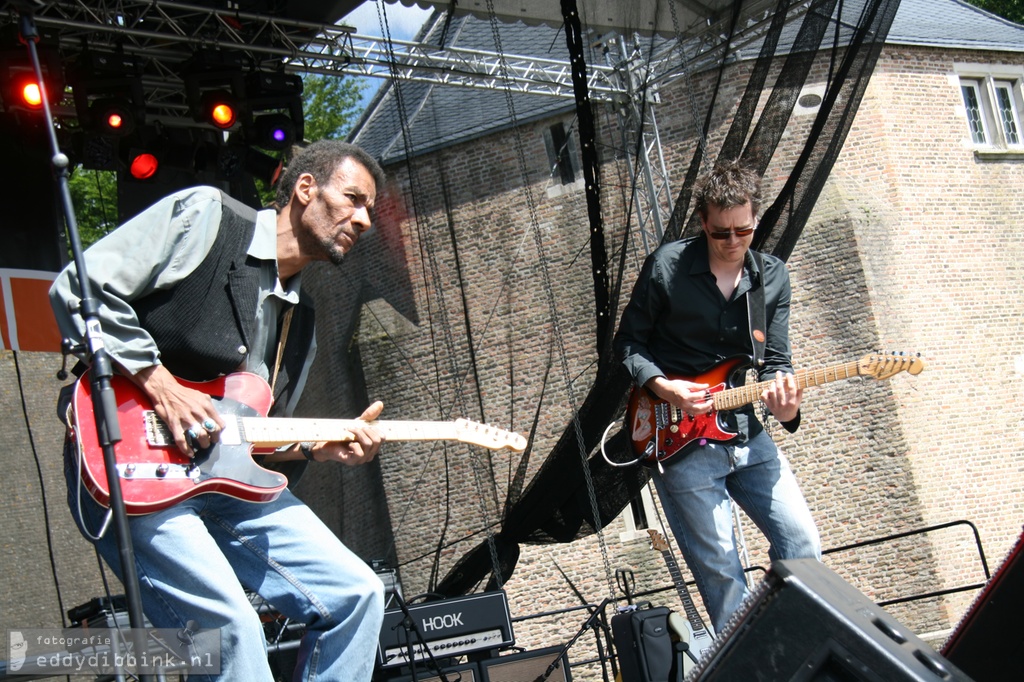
point(739, 232)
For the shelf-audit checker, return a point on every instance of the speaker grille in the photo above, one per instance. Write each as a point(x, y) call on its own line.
point(526, 667)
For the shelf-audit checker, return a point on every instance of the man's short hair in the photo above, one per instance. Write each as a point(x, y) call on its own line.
point(320, 159)
point(728, 185)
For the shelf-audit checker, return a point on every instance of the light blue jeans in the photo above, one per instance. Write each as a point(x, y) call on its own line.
point(194, 558)
point(695, 492)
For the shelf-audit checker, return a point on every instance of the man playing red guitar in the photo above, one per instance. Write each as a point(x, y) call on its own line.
point(697, 304)
point(197, 286)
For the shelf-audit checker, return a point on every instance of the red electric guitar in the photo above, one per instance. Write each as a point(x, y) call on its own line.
point(154, 474)
point(660, 431)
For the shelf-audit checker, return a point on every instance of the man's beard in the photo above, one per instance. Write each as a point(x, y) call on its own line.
point(328, 248)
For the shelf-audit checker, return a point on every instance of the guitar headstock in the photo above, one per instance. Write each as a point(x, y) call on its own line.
point(884, 365)
point(488, 436)
point(658, 540)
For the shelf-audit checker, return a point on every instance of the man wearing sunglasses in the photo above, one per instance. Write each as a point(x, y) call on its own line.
point(698, 304)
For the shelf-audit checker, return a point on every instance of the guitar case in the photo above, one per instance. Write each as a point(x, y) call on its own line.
point(644, 645)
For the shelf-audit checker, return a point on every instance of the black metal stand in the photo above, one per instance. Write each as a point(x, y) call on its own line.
point(104, 402)
point(591, 621)
point(413, 633)
point(679, 647)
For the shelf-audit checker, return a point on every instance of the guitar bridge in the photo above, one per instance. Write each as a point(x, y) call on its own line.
point(662, 415)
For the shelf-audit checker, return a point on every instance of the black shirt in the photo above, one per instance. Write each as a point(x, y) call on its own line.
point(678, 323)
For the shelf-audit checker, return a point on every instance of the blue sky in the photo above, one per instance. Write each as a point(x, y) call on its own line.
point(403, 22)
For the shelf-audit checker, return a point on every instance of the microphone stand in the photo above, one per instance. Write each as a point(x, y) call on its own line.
point(409, 625)
point(104, 402)
point(591, 621)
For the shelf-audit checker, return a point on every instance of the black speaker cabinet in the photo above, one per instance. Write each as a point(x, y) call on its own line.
point(804, 623)
point(467, 672)
point(526, 667)
point(987, 643)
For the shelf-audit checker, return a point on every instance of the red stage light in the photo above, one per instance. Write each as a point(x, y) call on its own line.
point(31, 95)
point(223, 116)
point(220, 110)
point(144, 166)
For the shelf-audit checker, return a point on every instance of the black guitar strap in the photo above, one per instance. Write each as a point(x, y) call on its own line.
point(756, 312)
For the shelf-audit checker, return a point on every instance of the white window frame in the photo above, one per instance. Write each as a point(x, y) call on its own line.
point(987, 82)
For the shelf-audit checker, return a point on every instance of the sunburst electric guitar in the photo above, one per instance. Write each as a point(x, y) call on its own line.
point(698, 636)
point(154, 474)
point(660, 431)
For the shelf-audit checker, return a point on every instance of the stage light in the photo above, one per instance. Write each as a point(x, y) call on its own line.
point(19, 86)
point(274, 131)
point(220, 109)
point(143, 165)
point(108, 93)
point(31, 94)
point(112, 116)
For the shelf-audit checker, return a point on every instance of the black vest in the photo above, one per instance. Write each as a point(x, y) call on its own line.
point(204, 325)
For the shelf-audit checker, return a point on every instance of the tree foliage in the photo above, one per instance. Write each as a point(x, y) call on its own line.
point(94, 196)
point(1007, 9)
point(332, 105)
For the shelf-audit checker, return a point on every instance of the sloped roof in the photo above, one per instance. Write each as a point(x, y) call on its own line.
point(439, 116)
point(954, 24)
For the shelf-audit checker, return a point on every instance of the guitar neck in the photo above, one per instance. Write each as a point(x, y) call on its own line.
point(688, 606)
point(732, 398)
point(275, 432)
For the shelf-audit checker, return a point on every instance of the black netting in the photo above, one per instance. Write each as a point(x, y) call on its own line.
point(841, 38)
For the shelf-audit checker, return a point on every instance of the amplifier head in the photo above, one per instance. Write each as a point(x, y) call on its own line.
point(446, 628)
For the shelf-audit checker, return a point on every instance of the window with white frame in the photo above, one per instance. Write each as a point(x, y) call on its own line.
point(993, 101)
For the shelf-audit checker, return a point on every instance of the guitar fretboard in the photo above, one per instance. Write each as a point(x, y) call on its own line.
point(275, 432)
point(688, 606)
point(732, 398)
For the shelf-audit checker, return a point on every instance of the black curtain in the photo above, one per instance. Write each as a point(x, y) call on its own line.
point(560, 503)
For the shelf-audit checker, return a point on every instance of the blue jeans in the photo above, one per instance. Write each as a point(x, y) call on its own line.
point(194, 558)
point(695, 492)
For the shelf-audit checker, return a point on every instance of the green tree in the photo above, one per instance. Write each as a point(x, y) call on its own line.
point(332, 105)
point(94, 196)
point(1008, 9)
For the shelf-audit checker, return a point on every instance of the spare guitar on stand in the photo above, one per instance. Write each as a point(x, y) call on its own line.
point(693, 629)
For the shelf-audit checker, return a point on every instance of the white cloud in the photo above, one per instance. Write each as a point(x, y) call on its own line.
point(403, 21)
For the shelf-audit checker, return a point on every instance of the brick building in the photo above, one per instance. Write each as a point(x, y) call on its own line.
point(473, 297)
point(916, 207)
